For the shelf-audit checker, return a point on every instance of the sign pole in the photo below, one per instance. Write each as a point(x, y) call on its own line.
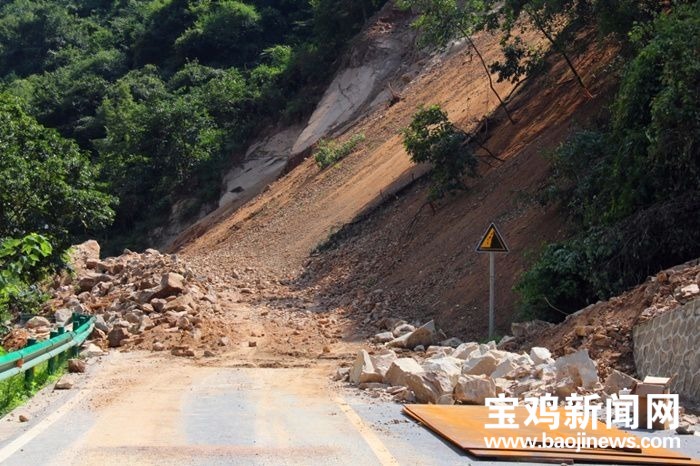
point(492, 295)
point(493, 243)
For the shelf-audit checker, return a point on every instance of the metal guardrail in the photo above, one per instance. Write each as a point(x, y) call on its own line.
point(35, 353)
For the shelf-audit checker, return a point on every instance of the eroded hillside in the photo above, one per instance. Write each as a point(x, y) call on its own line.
point(423, 261)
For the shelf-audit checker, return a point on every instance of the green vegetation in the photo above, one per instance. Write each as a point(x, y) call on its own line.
point(48, 183)
point(153, 98)
point(23, 263)
point(432, 138)
point(632, 186)
point(329, 152)
point(15, 391)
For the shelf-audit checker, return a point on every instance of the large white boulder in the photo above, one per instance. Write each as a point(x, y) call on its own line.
point(579, 367)
point(382, 361)
point(400, 369)
point(474, 389)
point(465, 350)
point(540, 356)
point(484, 364)
point(450, 367)
point(363, 369)
point(431, 387)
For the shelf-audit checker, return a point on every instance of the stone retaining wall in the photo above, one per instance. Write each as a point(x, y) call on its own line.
point(669, 345)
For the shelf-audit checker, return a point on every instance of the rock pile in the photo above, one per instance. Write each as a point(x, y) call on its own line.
point(454, 372)
point(605, 328)
point(147, 301)
point(472, 372)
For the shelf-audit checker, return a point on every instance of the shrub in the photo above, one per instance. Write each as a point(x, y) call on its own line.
point(432, 138)
point(330, 152)
point(23, 262)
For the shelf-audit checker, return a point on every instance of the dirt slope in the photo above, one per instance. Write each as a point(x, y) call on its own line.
point(423, 262)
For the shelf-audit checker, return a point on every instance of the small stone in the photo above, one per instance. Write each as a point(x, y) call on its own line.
point(384, 337)
point(209, 354)
point(252, 344)
point(38, 321)
point(158, 346)
point(684, 428)
point(64, 383)
point(223, 341)
point(23, 418)
point(76, 366)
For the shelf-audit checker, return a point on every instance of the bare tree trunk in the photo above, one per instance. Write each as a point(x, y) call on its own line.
point(543, 30)
point(488, 75)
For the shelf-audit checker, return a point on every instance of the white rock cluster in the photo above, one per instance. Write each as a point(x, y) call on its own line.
point(468, 373)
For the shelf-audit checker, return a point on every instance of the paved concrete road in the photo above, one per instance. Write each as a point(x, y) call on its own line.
point(141, 409)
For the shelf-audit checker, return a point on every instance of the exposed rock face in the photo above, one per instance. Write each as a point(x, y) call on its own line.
point(361, 82)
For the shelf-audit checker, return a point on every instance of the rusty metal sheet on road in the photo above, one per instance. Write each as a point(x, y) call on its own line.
point(465, 426)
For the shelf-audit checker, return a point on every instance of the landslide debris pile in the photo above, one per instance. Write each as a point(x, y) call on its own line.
point(149, 301)
point(455, 372)
point(605, 328)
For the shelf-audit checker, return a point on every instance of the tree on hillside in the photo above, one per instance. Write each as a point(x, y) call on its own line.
point(47, 184)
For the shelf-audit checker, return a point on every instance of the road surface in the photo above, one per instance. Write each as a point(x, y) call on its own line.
point(139, 408)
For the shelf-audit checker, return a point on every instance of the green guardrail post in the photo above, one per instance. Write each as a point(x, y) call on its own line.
point(29, 373)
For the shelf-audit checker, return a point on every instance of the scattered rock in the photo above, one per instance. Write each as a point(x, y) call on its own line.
point(617, 381)
point(62, 316)
point(116, 336)
point(64, 383)
point(38, 321)
point(541, 356)
point(23, 418)
point(76, 366)
point(484, 364)
point(252, 344)
point(384, 337)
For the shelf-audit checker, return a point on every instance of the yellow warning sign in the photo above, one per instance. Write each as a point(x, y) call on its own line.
point(492, 241)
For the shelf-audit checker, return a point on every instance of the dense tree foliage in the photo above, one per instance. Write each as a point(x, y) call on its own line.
point(162, 92)
point(432, 138)
point(48, 183)
point(633, 185)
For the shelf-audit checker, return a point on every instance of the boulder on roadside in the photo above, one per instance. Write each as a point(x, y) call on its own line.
point(579, 367)
point(617, 381)
point(431, 387)
point(422, 336)
point(484, 364)
point(363, 370)
point(76, 366)
point(65, 383)
point(382, 361)
point(400, 369)
point(474, 389)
